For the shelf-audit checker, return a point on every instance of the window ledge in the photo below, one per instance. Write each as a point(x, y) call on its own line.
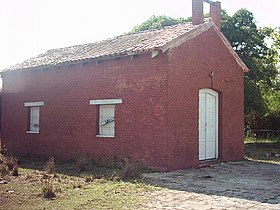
point(34, 132)
point(105, 136)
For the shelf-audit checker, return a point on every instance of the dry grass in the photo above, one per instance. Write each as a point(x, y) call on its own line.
point(47, 189)
point(69, 188)
point(50, 165)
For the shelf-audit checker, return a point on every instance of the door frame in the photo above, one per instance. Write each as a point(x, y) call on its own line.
point(216, 95)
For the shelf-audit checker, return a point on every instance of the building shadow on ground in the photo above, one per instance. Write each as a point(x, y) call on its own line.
point(248, 180)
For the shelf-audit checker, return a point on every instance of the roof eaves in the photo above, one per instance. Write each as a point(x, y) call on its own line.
point(78, 61)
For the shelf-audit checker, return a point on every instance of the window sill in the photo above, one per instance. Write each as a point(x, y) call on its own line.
point(105, 136)
point(32, 132)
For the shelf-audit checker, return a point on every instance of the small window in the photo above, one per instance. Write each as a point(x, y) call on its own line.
point(33, 119)
point(105, 116)
point(106, 120)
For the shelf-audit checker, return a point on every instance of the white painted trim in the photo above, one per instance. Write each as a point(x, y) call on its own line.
point(216, 95)
point(38, 103)
point(210, 91)
point(105, 136)
point(105, 101)
point(33, 132)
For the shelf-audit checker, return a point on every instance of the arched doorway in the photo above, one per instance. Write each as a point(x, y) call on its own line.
point(208, 124)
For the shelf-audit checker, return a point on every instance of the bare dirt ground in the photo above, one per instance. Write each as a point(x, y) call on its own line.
point(233, 185)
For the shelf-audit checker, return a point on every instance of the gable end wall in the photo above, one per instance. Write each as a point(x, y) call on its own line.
point(189, 67)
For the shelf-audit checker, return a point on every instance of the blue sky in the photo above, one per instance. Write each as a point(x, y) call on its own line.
point(30, 27)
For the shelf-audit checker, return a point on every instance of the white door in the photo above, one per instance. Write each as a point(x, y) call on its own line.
point(208, 124)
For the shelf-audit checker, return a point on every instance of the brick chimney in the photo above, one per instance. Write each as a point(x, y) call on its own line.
point(215, 13)
point(197, 12)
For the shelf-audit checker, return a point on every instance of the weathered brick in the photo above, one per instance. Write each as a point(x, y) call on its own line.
point(157, 123)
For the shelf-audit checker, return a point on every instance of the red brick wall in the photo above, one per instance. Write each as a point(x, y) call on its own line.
point(68, 122)
point(197, 12)
point(190, 65)
point(157, 123)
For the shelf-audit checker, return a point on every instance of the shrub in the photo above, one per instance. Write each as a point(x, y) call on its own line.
point(129, 169)
point(11, 162)
point(82, 164)
point(8, 164)
point(100, 161)
point(85, 164)
point(50, 165)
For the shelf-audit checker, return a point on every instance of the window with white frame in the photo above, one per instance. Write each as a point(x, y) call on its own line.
point(106, 116)
point(33, 109)
point(34, 119)
point(106, 120)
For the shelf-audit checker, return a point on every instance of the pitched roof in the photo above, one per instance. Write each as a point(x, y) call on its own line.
point(130, 44)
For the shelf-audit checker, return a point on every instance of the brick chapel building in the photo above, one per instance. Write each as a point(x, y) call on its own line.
point(166, 98)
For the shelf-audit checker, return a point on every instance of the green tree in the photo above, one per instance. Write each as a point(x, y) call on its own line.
point(252, 45)
point(158, 22)
point(259, 50)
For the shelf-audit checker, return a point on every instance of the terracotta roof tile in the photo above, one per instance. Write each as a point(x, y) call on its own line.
point(129, 44)
point(119, 46)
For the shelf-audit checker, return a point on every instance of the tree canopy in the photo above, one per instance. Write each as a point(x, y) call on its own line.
point(158, 22)
point(259, 50)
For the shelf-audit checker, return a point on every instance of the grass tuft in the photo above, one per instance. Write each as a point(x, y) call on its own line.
point(15, 171)
point(47, 189)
